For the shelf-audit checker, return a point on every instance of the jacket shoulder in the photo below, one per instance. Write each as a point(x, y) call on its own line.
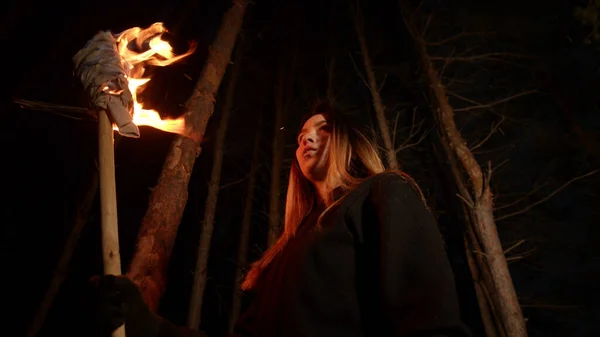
point(385, 184)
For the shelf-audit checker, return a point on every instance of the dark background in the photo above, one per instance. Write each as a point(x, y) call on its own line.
point(550, 138)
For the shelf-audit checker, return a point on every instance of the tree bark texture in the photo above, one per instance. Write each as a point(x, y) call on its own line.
point(275, 218)
point(242, 256)
point(167, 201)
point(390, 149)
point(481, 208)
point(195, 311)
point(479, 269)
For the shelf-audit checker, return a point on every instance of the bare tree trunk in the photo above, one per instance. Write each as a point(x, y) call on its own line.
point(275, 218)
point(477, 266)
point(61, 270)
point(479, 202)
point(389, 147)
point(486, 305)
point(242, 256)
point(195, 311)
point(168, 199)
point(331, 95)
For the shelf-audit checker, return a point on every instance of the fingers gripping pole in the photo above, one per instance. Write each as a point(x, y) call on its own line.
point(108, 201)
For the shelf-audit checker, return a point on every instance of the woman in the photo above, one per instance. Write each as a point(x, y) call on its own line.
point(360, 254)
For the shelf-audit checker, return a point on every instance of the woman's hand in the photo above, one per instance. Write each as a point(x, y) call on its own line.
point(116, 300)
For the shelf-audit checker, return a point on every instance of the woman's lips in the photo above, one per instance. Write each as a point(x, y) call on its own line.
point(309, 152)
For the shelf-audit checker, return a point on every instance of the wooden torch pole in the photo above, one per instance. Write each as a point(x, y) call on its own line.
point(108, 201)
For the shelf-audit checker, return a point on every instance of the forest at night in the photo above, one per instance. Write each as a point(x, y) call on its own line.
point(490, 106)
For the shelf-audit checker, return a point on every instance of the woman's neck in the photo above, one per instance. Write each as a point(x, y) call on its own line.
point(321, 192)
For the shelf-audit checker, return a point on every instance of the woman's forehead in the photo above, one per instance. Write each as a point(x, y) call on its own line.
point(313, 120)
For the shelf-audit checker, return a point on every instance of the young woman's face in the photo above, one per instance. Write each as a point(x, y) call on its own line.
point(313, 148)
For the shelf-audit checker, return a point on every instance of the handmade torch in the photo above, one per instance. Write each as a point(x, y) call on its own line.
point(103, 75)
point(111, 75)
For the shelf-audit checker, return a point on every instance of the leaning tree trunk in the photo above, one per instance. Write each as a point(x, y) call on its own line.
point(167, 201)
point(480, 201)
point(479, 270)
point(62, 267)
point(242, 256)
point(278, 146)
point(195, 311)
point(389, 147)
point(61, 270)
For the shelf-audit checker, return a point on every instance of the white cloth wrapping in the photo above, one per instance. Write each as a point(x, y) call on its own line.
point(103, 74)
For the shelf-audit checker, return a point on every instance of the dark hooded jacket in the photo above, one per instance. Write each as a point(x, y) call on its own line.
point(374, 265)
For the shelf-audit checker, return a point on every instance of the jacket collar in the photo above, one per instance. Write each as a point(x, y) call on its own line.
point(338, 192)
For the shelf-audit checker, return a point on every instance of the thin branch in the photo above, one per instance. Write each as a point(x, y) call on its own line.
point(451, 93)
point(412, 123)
point(521, 198)
point(443, 67)
point(412, 131)
point(427, 22)
point(520, 256)
point(484, 56)
point(455, 37)
point(517, 244)
point(489, 105)
point(73, 112)
point(405, 145)
point(497, 167)
point(546, 197)
point(381, 148)
point(488, 177)
point(224, 186)
point(478, 105)
point(396, 123)
point(467, 202)
point(358, 72)
point(493, 129)
point(382, 82)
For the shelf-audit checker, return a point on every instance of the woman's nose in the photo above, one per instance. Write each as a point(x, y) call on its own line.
point(310, 137)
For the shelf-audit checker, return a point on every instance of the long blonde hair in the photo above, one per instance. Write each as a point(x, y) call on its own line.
point(352, 158)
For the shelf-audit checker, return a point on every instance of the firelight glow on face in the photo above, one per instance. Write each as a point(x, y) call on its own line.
point(312, 153)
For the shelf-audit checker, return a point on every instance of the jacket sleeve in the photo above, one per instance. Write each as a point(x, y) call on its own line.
point(417, 294)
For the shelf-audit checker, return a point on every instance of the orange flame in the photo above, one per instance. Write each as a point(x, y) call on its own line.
point(157, 52)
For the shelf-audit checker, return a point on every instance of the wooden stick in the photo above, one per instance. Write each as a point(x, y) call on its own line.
point(108, 202)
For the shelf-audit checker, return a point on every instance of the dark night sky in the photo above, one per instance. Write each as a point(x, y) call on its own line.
point(553, 136)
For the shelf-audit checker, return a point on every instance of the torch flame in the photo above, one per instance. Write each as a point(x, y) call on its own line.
point(156, 52)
